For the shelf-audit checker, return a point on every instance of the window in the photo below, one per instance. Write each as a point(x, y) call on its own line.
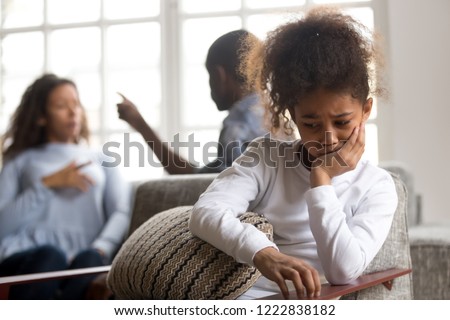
point(152, 51)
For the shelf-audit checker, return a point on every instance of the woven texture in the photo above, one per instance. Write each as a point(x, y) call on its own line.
point(163, 260)
point(430, 255)
point(394, 253)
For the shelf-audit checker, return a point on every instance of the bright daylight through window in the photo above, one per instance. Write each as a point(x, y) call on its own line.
point(152, 51)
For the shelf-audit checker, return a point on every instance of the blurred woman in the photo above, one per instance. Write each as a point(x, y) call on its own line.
point(59, 207)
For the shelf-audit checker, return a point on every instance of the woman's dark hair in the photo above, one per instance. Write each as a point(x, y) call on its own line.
point(325, 49)
point(24, 132)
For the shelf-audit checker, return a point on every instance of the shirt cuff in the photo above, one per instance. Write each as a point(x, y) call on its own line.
point(251, 248)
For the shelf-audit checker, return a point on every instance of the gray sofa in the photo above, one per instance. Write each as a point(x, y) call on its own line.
point(171, 191)
point(429, 244)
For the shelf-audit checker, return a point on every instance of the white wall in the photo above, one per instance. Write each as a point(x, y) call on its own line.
point(418, 116)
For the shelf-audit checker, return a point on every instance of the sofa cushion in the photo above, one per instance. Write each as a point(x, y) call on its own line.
point(169, 192)
point(430, 256)
point(163, 260)
point(393, 254)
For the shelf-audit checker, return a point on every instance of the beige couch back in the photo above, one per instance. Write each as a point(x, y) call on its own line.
point(161, 194)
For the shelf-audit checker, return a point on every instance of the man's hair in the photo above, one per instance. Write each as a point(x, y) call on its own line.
point(228, 51)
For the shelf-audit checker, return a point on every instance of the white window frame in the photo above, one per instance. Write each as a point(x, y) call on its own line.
point(171, 20)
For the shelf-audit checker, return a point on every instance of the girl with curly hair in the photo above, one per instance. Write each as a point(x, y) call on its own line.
point(331, 210)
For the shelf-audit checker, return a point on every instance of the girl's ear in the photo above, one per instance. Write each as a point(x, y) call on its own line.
point(367, 108)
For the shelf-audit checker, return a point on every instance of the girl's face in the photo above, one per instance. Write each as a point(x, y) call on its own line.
point(326, 120)
point(64, 115)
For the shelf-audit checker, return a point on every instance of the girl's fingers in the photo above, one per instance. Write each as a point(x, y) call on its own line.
point(354, 146)
point(362, 135)
point(282, 285)
point(303, 278)
point(354, 137)
point(311, 280)
point(317, 284)
point(360, 143)
point(294, 276)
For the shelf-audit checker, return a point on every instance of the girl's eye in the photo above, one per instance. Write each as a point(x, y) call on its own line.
point(310, 125)
point(342, 123)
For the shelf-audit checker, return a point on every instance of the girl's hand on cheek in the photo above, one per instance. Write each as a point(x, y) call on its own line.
point(345, 159)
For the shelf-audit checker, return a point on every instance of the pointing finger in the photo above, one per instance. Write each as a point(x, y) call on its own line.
point(122, 96)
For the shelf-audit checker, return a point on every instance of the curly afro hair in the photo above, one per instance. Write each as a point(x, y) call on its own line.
point(325, 49)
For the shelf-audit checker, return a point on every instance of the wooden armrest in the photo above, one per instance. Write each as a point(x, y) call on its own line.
point(329, 291)
point(7, 282)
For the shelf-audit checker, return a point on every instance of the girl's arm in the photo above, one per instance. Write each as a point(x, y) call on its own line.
point(347, 245)
point(214, 217)
point(214, 220)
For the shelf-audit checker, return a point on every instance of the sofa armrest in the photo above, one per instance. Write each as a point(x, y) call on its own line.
point(329, 291)
point(7, 282)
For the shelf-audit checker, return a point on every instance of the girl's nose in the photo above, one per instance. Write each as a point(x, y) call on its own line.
point(329, 138)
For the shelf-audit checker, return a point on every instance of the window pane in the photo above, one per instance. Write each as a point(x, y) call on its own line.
point(134, 45)
point(371, 151)
point(206, 151)
point(23, 53)
point(134, 58)
point(195, 91)
point(89, 88)
point(135, 159)
point(199, 109)
point(363, 15)
point(142, 87)
point(256, 4)
point(338, 1)
point(94, 119)
point(69, 11)
point(374, 112)
point(4, 119)
point(260, 24)
point(74, 51)
point(22, 13)
point(196, 6)
point(13, 89)
point(119, 9)
point(199, 34)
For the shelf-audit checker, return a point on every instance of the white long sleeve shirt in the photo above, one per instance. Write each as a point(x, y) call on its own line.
point(336, 228)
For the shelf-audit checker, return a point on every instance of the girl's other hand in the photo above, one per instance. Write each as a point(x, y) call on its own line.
point(279, 267)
